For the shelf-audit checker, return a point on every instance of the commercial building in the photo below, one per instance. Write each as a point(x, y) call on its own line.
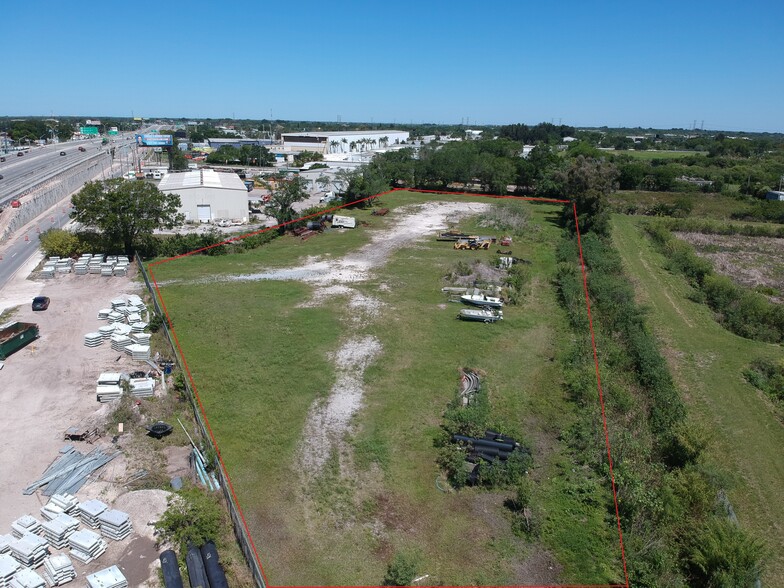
point(207, 195)
point(342, 141)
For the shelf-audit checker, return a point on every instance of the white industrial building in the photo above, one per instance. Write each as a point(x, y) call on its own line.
point(207, 195)
point(342, 141)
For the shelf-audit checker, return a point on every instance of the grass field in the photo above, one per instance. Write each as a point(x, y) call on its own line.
point(711, 206)
point(707, 363)
point(260, 360)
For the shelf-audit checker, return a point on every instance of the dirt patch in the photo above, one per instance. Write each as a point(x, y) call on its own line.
point(540, 568)
point(750, 261)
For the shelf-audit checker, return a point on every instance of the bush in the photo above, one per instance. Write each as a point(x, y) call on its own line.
point(59, 242)
point(192, 517)
point(402, 570)
point(724, 556)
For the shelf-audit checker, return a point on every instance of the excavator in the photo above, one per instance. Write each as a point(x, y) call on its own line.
point(473, 243)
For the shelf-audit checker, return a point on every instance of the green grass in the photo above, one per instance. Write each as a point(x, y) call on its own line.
point(259, 363)
point(707, 362)
point(711, 206)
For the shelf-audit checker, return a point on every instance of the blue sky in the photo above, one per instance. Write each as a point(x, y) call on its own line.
point(656, 63)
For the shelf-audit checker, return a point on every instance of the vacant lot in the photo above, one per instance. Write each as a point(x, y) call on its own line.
point(707, 362)
point(325, 366)
point(750, 261)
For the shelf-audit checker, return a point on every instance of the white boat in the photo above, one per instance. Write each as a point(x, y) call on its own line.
point(482, 300)
point(481, 315)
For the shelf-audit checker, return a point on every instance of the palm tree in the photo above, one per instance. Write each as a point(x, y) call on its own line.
point(332, 145)
point(343, 147)
point(385, 141)
point(352, 146)
point(373, 142)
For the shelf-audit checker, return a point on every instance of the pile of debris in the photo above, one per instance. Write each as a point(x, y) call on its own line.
point(469, 385)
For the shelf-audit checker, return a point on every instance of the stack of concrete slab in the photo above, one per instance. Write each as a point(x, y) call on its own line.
point(142, 387)
point(115, 524)
point(30, 550)
point(86, 545)
point(5, 541)
point(134, 317)
point(108, 578)
point(138, 327)
point(48, 270)
point(59, 529)
point(120, 342)
point(8, 568)
point(94, 265)
point(25, 578)
point(94, 339)
point(68, 502)
point(58, 570)
point(115, 317)
point(63, 266)
point(106, 331)
point(107, 268)
point(141, 338)
point(90, 511)
point(138, 352)
point(103, 314)
point(25, 524)
point(122, 329)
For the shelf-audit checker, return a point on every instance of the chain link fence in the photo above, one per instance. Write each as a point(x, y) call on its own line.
point(240, 531)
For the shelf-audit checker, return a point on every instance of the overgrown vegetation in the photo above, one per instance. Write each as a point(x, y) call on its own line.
point(193, 517)
point(767, 376)
point(744, 312)
point(666, 496)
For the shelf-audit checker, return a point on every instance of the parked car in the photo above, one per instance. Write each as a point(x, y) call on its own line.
point(62, 152)
point(40, 303)
point(2, 159)
point(19, 153)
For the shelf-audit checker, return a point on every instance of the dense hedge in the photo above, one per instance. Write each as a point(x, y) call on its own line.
point(742, 311)
point(666, 495)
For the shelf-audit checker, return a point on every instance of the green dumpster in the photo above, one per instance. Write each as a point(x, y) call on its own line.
point(14, 336)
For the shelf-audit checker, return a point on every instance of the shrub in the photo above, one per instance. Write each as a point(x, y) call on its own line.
point(402, 570)
point(193, 516)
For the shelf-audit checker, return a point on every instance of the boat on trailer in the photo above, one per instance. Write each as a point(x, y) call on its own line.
point(482, 300)
point(481, 315)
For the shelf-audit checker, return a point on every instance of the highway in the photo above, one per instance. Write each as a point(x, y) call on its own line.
point(20, 173)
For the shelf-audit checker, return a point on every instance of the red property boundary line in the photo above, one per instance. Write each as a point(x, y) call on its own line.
point(329, 210)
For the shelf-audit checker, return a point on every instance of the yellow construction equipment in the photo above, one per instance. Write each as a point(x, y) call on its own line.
point(472, 243)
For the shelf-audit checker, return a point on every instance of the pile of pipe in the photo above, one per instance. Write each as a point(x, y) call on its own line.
point(493, 446)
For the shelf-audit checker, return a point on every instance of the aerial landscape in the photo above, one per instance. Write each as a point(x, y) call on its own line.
point(428, 294)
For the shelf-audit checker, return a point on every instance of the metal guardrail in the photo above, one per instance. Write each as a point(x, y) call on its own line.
point(240, 532)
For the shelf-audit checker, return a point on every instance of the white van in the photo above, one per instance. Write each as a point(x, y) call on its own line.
point(193, 166)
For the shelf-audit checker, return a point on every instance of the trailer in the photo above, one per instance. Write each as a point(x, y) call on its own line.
point(348, 222)
point(14, 336)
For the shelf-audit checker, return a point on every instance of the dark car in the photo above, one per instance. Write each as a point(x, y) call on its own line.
point(19, 153)
point(82, 148)
point(62, 152)
point(1, 176)
point(2, 158)
point(40, 303)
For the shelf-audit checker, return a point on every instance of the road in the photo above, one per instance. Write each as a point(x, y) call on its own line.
point(33, 166)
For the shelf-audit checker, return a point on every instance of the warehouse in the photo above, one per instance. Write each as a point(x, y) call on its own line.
point(343, 141)
point(207, 195)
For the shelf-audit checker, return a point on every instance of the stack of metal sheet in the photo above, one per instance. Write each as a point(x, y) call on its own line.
point(30, 550)
point(70, 471)
point(25, 524)
point(8, 567)
point(59, 529)
point(143, 387)
point(115, 524)
point(25, 578)
point(120, 342)
point(103, 314)
point(93, 339)
point(105, 394)
point(89, 512)
point(138, 352)
point(109, 578)
point(5, 541)
point(107, 269)
point(106, 331)
point(86, 545)
point(58, 570)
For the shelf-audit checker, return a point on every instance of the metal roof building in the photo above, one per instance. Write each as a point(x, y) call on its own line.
point(207, 195)
point(343, 141)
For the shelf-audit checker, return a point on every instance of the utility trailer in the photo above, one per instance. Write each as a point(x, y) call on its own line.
point(14, 336)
